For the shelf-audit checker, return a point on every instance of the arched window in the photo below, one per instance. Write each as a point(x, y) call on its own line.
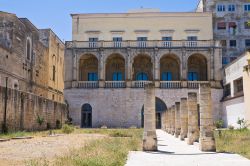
point(28, 49)
point(141, 77)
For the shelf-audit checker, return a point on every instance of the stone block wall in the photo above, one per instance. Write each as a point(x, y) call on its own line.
point(23, 110)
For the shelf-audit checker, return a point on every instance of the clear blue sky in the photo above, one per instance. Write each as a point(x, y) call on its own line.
point(55, 14)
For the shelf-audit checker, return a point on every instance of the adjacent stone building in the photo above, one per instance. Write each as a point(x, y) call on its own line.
point(112, 56)
point(31, 59)
point(231, 25)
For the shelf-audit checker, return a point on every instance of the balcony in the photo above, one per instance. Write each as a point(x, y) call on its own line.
point(85, 84)
point(140, 84)
point(170, 84)
point(195, 84)
point(142, 44)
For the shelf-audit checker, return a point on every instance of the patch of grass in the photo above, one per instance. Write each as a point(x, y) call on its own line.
point(108, 151)
point(233, 141)
point(25, 133)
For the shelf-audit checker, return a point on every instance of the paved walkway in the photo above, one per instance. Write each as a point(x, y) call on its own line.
point(173, 152)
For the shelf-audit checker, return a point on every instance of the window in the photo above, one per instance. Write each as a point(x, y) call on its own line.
point(227, 90)
point(192, 76)
point(247, 7)
point(233, 43)
point(232, 28)
point(221, 26)
point(247, 25)
point(142, 77)
point(231, 7)
point(28, 50)
point(192, 41)
point(167, 76)
point(117, 76)
point(142, 41)
point(224, 60)
point(238, 86)
point(167, 41)
point(221, 8)
point(247, 42)
point(223, 43)
point(93, 42)
point(92, 77)
point(117, 41)
point(54, 73)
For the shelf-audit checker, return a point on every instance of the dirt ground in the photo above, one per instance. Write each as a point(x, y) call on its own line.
point(17, 152)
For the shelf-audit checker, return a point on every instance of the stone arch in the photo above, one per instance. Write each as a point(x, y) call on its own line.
point(142, 65)
point(86, 116)
point(88, 68)
point(160, 107)
point(197, 68)
point(115, 68)
point(170, 67)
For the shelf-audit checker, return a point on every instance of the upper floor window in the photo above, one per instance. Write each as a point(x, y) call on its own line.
point(28, 49)
point(221, 8)
point(53, 73)
point(169, 38)
point(247, 42)
point(167, 41)
point(192, 38)
point(238, 86)
point(221, 25)
point(233, 43)
point(167, 76)
point(223, 43)
point(247, 7)
point(224, 60)
point(192, 76)
point(142, 41)
point(231, 7)
point(142, 38)
point(117, 41)
point(227, 90)
point(92, 77)
point(93, 42)
point(142, 77)
point(247, 25)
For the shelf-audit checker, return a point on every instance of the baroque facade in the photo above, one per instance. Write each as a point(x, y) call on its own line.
point(29, 56)
point(231, 25)
point(112, 56)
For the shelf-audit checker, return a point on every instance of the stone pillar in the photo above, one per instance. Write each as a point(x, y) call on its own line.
point(207, 142)
point(193, 128)
point(173, 120)
point(168, 120)
point(184, 118)
point(149, 135)
point(177, 120)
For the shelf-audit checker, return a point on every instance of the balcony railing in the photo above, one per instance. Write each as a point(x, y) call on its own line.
point(142, 44)
point(140, 84)
point(115, 84)
point(170, 84)
point(195, 84)
point(85, 84)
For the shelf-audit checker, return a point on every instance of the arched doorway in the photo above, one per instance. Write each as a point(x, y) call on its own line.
point(197, 68)
point(86, 116)
point(142, 68)
point(160, 107)
point(170, 68)
point(115, 68)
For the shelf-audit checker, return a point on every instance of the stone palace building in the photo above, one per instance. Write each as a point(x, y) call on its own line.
point(112, 56)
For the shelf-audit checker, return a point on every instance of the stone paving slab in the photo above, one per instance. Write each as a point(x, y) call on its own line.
point(173, 152)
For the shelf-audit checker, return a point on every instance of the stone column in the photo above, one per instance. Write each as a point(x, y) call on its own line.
point(173, 120)
point(177, 120)
point(207, 142)
point(168, 120)
point(184, 118)
point(149, 135)
point(193, 128)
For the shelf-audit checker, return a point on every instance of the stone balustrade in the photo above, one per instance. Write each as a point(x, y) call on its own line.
point(115, 84)
point(170, 84)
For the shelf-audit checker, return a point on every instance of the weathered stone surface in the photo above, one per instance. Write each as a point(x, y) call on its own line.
point(183, 118)
point(149, 135)
point(177, 120)
point(207, 142)
point(193, 128)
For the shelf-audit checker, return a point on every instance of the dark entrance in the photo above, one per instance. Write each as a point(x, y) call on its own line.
point(86, 116)
point(160, 107)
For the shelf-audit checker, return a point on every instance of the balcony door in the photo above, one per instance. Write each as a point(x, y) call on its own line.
point(192, 76)
point(117, 76)
point(92, 77)
point(142, 77)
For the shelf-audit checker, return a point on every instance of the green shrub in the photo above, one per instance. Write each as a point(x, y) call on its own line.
point(219, 124)
point(243, 123)
point(67, 129)
point(230, 127)
point(40, 120)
